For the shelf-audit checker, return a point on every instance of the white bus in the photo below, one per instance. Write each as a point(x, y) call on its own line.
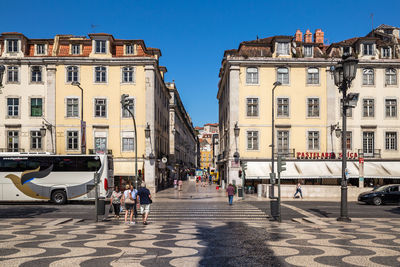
point(58, 178)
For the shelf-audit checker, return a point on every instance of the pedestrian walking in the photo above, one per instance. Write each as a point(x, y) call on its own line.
point(180, 183)
point(230, 192)
point(134, 194)
point(129, 202)
point(144, 198)
point(116, 201)
point(298, 190)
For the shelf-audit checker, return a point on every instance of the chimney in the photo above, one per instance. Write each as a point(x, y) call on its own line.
point(319, 36)
point(308, 37)
point(299, 36)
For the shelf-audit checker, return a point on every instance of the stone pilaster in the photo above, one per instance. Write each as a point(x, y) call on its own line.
point(233, 170)
point(50, 111)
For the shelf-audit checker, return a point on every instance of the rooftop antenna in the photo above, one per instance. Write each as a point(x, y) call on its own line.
point(93, 27)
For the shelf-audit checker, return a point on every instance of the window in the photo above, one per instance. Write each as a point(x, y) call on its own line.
point(368, 77)
point(100, 144)
point(368, 144)
point(283, 141)
point(391, 141)
point(308, 51)
point(12, 141)
point(100, 107)
point(40, 49)
point(12, 45)
point(368, 108)
point(283, 107)
point(72, 140)
point(346, 50)
point(283, 75)
point(313, 107)
point(72, 108)
point(252, 107)
point(391, 107)
point(385, 52)
point(127, 75)
point(36, 140)
point(13, 107)
point(313, 76)
point(12, 76)
point(129, 49)
point(100, 74)
point(313, 140)
point(390, 77)
point(36, 107)
point(349, 140)
point(100, 46)
point(368, 49)
point(131, 107)
point(283, 49)
point(349, 111)
point(252, 76)
point(252, 140)
point(36, 74)
point(75, 49)
point(127, 144)
point(72, 74)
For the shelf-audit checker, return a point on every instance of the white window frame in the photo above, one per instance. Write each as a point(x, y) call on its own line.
point(390, 76)
point(129, 135)
point(14, 137)
point(15, 108)
point(129, 49)
point(368, 148)
point(99, 48)
point(13, 44)
point(368, 76)
point(36, 140)
point(72, 137)
point(40, 49)
point(252, 75)
point(252, 107)
point(103, 69)
point(73, 49)
point(368, 110)
point(281, 72)
point(308, 50)
point(282, 48)
point(14, 72)
point(313, 140)
point(36, 74)
point(128, 69)
point(313, 76)
point(102, 107)
point(74, 70)
point(384, 50)
point(368, 49)
point(391, 140)
point(391, 108)
point(313, 107)
point(280, 107)
point(72, 106)
point(253, 140)
point(281, 144)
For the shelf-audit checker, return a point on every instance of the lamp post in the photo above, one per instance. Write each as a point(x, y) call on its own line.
point(273, 135)
point(125, 106)
point(333, 128)
point(2, 69)
point(344, 74)
point(83, 123)
point(236, 155)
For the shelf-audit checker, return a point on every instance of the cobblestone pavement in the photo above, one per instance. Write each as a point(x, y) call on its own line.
point(200, 230)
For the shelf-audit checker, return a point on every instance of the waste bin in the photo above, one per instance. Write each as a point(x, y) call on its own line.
point(274, 208)
point(101, 206)
point(240, 191)
point(259, 190)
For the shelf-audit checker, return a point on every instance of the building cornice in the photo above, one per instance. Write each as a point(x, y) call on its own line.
point(81, 61)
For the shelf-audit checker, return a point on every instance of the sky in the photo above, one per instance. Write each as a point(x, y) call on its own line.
point(193, 35)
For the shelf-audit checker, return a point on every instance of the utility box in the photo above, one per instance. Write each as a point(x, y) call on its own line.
point(101, 206)
point(240, 191)
point(274, 208)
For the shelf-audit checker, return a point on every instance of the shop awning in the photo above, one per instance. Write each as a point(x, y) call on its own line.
point(324, 169)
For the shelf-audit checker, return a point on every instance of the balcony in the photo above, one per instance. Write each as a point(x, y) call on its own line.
point(286, 152)
point(12, 150)
point(375, 153)
point(93, 152)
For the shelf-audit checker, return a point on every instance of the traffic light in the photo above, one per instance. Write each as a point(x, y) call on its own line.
point(281, 164)
point(124, 100)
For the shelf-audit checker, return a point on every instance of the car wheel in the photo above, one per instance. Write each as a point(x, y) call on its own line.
point(59, 197)
point(377, 201)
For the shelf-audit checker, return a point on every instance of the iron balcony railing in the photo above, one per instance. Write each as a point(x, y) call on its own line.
point(375, 153)
point(287, 152)
point(93, 151)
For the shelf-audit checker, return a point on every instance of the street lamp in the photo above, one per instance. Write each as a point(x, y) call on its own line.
point(275, 84)
point(2, 69)
point(344, 73)
point(125, 105)
point(236, 131)
point(83, 123)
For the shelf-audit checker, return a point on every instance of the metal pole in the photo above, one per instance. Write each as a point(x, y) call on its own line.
point(343, 201)
point(279, 197)
point(134, 124)
point(96, 191)
point(83, 148)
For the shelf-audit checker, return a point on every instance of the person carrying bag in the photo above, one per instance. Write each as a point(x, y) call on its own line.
point(129, 203)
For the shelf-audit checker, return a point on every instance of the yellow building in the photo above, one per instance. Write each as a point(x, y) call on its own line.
point(206, 159)
point(247, 77)
point(102, 68)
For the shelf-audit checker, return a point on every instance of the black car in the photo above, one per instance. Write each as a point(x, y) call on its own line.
point(383, 194)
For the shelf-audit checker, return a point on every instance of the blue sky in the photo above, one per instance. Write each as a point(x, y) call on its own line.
point(193, 35)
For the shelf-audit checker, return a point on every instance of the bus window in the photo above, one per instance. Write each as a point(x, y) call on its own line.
point(88, 164)
point(13, 165)
point(65, 164)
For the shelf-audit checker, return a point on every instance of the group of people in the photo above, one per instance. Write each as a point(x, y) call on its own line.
point(132, 199)
point(205, 179)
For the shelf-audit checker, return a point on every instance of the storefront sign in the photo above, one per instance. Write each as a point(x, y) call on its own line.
point(325, 155)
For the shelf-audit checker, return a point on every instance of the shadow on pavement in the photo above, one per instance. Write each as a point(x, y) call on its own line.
point(25, 212)
point(236, 244)
point(395, 210)
point(321, 212)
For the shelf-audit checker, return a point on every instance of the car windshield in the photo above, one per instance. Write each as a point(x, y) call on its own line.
point(381, 188)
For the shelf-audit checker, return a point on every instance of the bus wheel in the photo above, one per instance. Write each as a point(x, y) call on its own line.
point(59, 197)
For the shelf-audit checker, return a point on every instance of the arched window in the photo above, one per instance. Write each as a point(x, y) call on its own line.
point(313, 76)
point(391, 77)
point(368, 76)
point(283, 75)
point(252, 75)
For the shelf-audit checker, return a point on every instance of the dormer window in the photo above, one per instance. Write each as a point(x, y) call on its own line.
point(75, 49)
point(129, 49)
point(40, 49)
point(385, 52)
point(368, 49)
point(282, 48)
point(308, 51)
point(346, 50)
point(12, 45)
point(100, 46)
